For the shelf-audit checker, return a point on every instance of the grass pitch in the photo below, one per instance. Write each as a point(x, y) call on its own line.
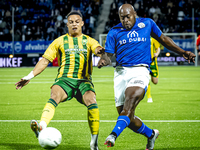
point(175, 111)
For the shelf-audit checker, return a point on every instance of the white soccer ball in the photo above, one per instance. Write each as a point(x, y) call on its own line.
point(49, 138)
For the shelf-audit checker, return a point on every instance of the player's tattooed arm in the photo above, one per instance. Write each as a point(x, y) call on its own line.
point(105, 59)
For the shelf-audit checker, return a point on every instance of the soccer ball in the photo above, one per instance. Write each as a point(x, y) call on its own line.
point(49, 138)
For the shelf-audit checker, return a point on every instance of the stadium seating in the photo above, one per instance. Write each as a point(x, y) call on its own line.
point(43, 14)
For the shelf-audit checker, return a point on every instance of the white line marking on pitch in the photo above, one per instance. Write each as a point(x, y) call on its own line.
point(103, 121)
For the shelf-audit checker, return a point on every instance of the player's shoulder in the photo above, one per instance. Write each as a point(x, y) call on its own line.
point(87, 36)
point(144, 20)
point(61, 37)
point(116, 29)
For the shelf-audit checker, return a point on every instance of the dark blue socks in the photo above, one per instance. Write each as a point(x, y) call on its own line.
point(146, 131)
point(122, 123)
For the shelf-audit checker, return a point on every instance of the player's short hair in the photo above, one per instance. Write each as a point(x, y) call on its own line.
point(74, 12)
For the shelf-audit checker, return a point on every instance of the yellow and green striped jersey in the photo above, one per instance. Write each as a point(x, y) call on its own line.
point(154, 65)
point(74, 55)
point(154, 45)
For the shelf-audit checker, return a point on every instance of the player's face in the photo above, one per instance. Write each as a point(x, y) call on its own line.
point(74, 25)
point(127, 17)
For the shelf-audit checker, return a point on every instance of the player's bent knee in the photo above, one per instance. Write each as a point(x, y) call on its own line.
point(89, 98)
point(58, 94)
point(155, 80)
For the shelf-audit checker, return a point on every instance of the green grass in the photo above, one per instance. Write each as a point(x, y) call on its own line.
point(175, 97)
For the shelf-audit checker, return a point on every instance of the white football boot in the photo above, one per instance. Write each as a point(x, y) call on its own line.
point(151, 142)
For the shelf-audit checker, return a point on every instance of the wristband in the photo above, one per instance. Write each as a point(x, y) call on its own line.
point(29, 76)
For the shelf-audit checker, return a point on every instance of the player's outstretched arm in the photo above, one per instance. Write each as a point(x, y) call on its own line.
point(40, 66)
point(105, 59)
point(169, 44)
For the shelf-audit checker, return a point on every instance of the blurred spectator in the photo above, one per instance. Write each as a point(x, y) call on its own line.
point(8, 13)
point(7, 33)
point(92, 20)
point(152, 11)
point(181, 3)
point(181, 15)
point(51, 33)
point(3, 24)
point(158, 10)
point(88, 10)
point(44, 19)
point(171, 16)
point(17, 35)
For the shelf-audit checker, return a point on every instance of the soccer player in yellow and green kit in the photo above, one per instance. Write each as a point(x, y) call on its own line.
point(155, 51)
point(74, 52)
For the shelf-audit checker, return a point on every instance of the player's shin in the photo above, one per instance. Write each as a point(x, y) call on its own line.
point(149, 91)
point(93, 120)
point(122, 123)
point(48, 113)
point(144, 130)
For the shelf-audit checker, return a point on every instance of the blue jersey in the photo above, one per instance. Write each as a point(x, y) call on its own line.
point(132, 47)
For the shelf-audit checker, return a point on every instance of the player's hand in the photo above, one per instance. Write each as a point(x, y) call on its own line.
point(189, 56)
point(155, 55)
point(100, 50)
point(101, 63)
point(21, 83)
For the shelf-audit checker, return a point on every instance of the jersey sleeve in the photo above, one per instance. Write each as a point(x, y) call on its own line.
point(155, 28)
point(51, 51)
point(110, 43)
point(93, 44)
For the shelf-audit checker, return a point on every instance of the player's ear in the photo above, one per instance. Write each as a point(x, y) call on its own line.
point(82, 23)
point(135, 14)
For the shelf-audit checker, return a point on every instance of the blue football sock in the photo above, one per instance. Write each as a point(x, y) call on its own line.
point(122, 123)
point(146, 131)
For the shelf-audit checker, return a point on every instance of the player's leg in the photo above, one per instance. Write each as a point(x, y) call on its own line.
point(133, 95)
point(154, 80)
point(57, 95)
point(89, 99)
point(93, 117)
point(149, 98)
point(154, 72)
point(138, 126)
point(119, 89)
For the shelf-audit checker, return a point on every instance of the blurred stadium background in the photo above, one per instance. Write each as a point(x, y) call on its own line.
point(27, 28)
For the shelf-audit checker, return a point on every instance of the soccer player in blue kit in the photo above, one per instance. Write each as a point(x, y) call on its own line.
point(130, 41)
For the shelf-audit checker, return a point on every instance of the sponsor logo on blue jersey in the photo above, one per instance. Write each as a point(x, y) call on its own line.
point(132, 36)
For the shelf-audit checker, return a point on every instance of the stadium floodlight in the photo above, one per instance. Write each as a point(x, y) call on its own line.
point(167, 54)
